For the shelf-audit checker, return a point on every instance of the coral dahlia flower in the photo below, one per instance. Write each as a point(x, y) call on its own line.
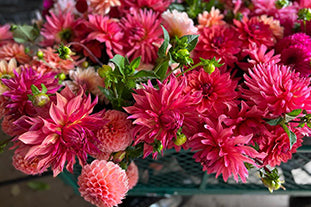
point(108, 31)
point(103, 183)
point(19, 87)
point(14, 50)
point(5, 34)
point(276, 88)
point(178, 23)
point(218, 41)
point(116, 134)
point(68, 132)
point(220, 151)
point(217, 89)
point(160, 113)
point(132, 174)
point(208, 19)
point(143, 33)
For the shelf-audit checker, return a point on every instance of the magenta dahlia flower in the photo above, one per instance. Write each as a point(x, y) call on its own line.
point(277, 89)
point(155, 5)
point(143, 33)
point(254, 30)
point(160, 113)
point(220, 151)
point(19, 87)
point(217, 89)
point(220, 41)
point(107, 31)
point(103, 183)
point(68, 133)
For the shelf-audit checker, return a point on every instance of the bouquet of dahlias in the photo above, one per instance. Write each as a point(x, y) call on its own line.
point(119, 79)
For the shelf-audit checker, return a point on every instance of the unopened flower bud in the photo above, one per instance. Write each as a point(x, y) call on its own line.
point(85, 64)
point(119, 156)
point(272, 184)
point(183, 53)
point(209, 68)
point(104, 70)
point(61, 76)
point(180, 139)
point(40, 100)
point(40, 54)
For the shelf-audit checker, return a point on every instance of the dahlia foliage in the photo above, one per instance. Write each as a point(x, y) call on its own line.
point(116, 80)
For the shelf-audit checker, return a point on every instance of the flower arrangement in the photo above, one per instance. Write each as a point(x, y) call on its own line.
point(119, 79)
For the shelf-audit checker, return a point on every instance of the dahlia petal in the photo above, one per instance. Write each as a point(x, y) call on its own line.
point(57, 115)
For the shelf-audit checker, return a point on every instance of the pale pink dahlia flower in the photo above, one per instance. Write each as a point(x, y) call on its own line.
point(160, 113)
point(14, 50)
point(103, 183)
point(132, 174)
point(116, 134)
point(217, 90)
point(19, 87)
point(102, 7)
point(59, 28)
point(5, 34)
point(143, 33)
point(67, 134)
point(208, 19)
point(220, 151)
point(26, 166)
point(7, 71)
point(178, 23)
point(108, 31)
point(254, 30)
point(52, 62)
point(220, 41)
point(276, 88)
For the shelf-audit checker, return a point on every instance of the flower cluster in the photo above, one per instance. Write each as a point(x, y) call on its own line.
point(117, 79)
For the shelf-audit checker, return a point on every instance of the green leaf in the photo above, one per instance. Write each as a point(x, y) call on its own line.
point(192, 41)
point(309, 125)
point(44, 89)
point(291, 135)
point(38, 185)
point(163, 47)
point(119, 61)
point(161, 69)
point(108, 93)
point(25, 33)
point(178, 7)
point(135, 63)
point(3, 144)
point(143, 75)
point(295, 112)
point(274, 122)
point(35, 90)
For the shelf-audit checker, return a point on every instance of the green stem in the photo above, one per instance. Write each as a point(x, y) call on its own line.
point(189, 69)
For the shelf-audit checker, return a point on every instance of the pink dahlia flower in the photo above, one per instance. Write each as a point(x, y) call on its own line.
point(103, 183)
point(295, 39)
point(8, 126)
point(14, 50)
point(7, 71)
point(277, 146)
point(5, 34)
point(59, 28)
point(276, 88)
point(19, 87)
point(220, 42)
point(101, 155)
point(156, 5)
point(143, 33)
point(116, 134)
point(178, 23)
point(220, 151)
point(52, 62)
point(208, 19)
point(132, 174)
point(107, 31)
point(254, 31)
point(67, 134)
point(217, 89)
point(102, 7)
point(276, 28)
point(26, 166)
point(160, 113)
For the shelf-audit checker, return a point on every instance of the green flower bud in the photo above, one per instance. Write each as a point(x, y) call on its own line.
point(85, 64)
point(157, 146)
point(61, 76)
point(40, 100)
point(209, 68)
point(64, 52)
point(272, 184)
point(104, 71)
point(180, 139)
point(119, 156)
point(281, 4)
point(40, 54)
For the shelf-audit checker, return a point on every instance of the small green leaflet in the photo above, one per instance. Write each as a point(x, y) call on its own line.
point(291, 135)
point(164, 46)
point(25, 33)
point(274, 122)
point(38, 185)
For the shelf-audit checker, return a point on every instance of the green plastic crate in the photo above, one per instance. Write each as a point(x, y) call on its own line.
point(176, 173)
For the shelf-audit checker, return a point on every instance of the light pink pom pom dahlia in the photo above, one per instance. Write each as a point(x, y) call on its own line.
point(132, 174)
point(103, 183)
point(116, 135)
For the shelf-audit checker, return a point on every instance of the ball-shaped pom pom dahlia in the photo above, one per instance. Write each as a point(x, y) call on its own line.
point(132, 174)
point(103, 183)
point(276, 88)
point(116, 134)
point(26, 166)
